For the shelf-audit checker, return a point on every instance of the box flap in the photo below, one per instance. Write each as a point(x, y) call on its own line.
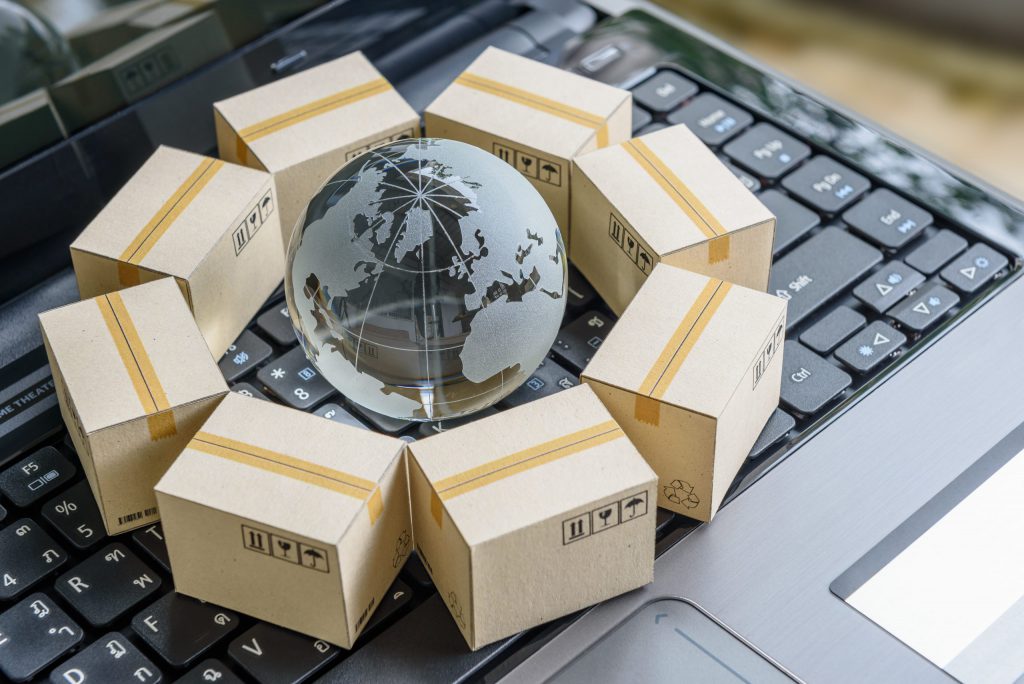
point(673, 190)
point(130, 354)
point(687, 340)
point(494, 477)
point(504, 94)
point(335, 104)
point(283, 468)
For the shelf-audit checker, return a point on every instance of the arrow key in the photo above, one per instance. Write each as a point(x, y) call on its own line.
point(888, 285)
point(925, 309)
point(872, 345)
point(974, 268)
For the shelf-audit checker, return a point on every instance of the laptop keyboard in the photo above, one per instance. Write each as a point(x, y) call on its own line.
point(867, 274)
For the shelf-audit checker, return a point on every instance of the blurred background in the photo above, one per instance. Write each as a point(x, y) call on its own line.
point(946, 74)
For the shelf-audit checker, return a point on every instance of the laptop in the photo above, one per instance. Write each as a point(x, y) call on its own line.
point(873, 534)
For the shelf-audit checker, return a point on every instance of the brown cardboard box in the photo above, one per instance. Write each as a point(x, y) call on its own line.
point(532, 514)
point(305, 127)
point(692, 373)
point(664, 197)
point(534, 116)
point(304, 521)
point(137, 69)
point(135, 381)
point(209, 224)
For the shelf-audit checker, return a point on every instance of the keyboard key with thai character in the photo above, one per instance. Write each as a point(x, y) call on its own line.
point(549, 378)
point(247, 352)
point(809, 381)
point(277, 325)
point(826, 185)
point(27, 554)
point(247, 390)
point(792, 219)
point(777, 427)
point(711, 118)
point(974, 268)
point(339, 414)
point(293, 379)
point(866, 350)
point(887, 286)
point(108, 584)
point(181, 629)
point(151, 540)
point(111, 658)
point(664, 91)
point(886, 219)
point(936, 251)
point(577, 342)
point(76, 517)
point(33, 634)
point(818, 270)
point(828, 333)
point(35, 476)
point(925, 309)
point(210, 670)
point(767, 151)
point(272, 655)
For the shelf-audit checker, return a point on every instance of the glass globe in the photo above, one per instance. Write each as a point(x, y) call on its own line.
point(426, 279)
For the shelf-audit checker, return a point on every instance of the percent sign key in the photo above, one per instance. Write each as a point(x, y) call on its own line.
point(76, 517)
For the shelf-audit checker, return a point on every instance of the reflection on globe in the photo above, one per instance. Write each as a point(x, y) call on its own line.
point(426, 280)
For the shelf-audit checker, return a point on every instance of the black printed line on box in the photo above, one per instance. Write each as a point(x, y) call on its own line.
point(629, 244)
point(530, 165)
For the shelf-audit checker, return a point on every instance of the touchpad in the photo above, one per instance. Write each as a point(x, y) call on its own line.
point(671, 641)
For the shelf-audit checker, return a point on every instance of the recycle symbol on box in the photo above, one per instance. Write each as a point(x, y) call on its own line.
point(680, 492)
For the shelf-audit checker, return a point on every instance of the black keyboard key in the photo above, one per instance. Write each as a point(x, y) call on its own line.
point(925, 309)
point(210, 670)
point(437, 427)
point(580, 295)
point(936, 252)
point(641, 117)
point(111, 658)
point(870, 347)
point(35, 476)
point(151, 540)
point(767, 151)
point(777, 427)
point(818, 270)
point(108, 584)
point(181, 629)
point(826, 184)
point(380, 422)
point(792, 219)
point(339, 414)
point(886, 219)
point(394, 601)
point(887, 286)
point(247, 390)
point(272, 655)
point(576, 343)
point(27, 555)
point(276, 324)
point(833, 329)
point(76, 517)
point(651, 128)
point(808, 381)
point(34, 634)
point(423, 646)
point(548, 379)
point(664, 91)
point(974, 268)
point(415, 574)
point(662, 520)
point(3, 513)
point(711, 118)
point(247, 352)
point(293, 379)
point(749, 182)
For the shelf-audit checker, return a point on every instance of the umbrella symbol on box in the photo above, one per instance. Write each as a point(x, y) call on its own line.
point(549, 169)
point(632, 504)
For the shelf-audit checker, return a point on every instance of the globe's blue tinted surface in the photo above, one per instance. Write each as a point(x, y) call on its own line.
point(426, 279)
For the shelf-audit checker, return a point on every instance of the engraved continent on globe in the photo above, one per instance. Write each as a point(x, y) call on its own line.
point(426, 280)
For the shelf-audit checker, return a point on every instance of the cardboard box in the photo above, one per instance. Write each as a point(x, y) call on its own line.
point(27, 125)
point(211, 225)
point(665, 198)
point(135, 381)
point(305, 521)
point(305, 127)
point(533, 116)
point(520, 526)
point(138, 68)
point(692, 372)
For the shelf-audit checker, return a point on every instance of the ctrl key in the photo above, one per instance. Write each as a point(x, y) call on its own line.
point(111, 658)
point(33, 634)
point(808, 381)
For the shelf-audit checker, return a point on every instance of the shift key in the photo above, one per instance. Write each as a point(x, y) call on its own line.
point(820, 269)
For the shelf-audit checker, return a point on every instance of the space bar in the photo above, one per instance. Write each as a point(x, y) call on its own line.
point(820, 269)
